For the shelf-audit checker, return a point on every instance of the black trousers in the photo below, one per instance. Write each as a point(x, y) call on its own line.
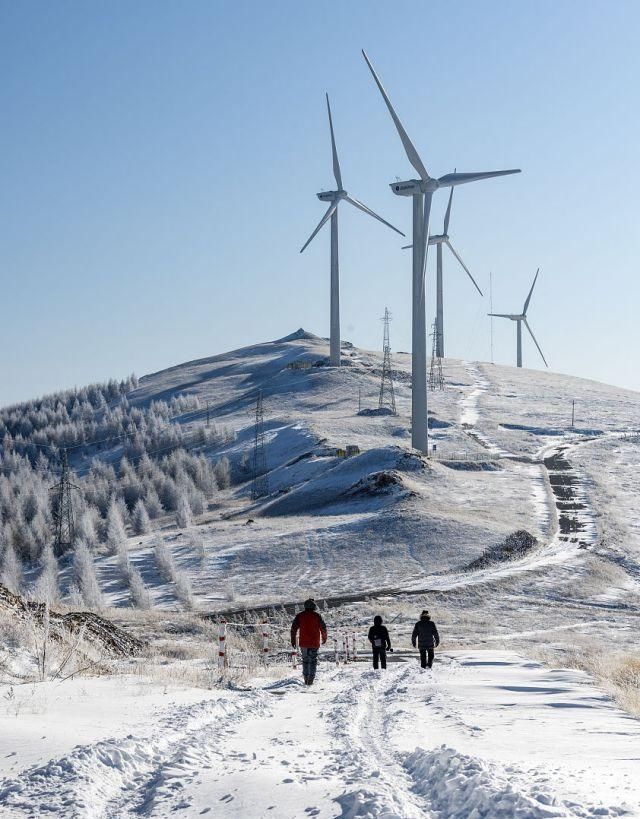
point(426, 657)
point(379, 654)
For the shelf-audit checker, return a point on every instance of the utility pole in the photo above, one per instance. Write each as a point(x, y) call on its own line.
point(573, 413)
point(260, 481)
point(63, 520)
point(436, 377)
point(207, 413)
point(387, 396)
point(359, 399)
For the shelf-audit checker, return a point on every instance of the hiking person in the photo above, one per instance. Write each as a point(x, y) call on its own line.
point(312, 630)
point(426, 634)
point(380, 642)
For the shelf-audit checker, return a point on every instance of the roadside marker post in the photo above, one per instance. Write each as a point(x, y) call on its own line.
point(265, 638)
point(222, 637)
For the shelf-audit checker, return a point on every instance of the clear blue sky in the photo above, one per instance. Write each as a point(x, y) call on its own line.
point(160, 160)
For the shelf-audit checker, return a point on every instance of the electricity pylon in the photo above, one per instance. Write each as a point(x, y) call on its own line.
point(64, 530)
point(436, 378)
point(387, 396)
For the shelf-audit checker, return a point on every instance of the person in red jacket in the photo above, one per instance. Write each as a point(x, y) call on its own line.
point(312, 630)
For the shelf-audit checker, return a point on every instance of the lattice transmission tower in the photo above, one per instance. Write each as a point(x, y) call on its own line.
point(387, 396)
point(436, 378)
point(260, 481)
point(64, 529)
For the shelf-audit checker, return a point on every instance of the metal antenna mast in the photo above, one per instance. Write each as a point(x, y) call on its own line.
point(436, 378)
point(260, 482)
point(387, 396)
point(64, 530)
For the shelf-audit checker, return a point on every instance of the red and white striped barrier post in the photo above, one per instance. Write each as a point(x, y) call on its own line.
point(354, 652)
point(222, 637)
point(345, 647)
point(265, 638)
point(336, 652)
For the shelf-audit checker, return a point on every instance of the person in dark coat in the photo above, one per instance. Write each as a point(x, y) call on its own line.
point(426, 635)
point(312, 630)
point(380, 642)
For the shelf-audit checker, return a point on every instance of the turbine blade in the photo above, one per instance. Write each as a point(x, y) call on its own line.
point(409, 147)
point(406, 247)
point(357, 204)
point(321, 223)
point(464, 267)
point(526, 304)
point(503, 315)
point(447, 215)
point(336, 164)
point(462, 178)
point(536, 343)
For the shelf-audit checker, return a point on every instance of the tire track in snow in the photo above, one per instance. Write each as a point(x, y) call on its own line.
point(359, 721)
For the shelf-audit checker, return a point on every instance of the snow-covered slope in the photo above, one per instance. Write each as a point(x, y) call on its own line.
point(333, 525)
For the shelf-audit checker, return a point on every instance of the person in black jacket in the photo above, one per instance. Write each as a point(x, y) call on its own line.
point(380, 642)
point(427, 637)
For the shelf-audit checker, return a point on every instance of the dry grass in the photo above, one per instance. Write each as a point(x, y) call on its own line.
point(618, 673)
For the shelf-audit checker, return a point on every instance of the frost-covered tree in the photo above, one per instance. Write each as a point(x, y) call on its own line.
point(116, 533)
point(152, 503)
point(85, 578)
point(164, 560)
point(183, 512)
point(46, 589)
point(139, 592)
point(11, 571)
point(140, 519)
point(222, 472)
point(87, 526)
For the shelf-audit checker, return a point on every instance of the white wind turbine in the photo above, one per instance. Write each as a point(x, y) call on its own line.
point(334, 197)
point(422, 191)
point(439, 240)
point(521, 318)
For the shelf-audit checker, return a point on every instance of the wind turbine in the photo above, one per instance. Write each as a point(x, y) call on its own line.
point(439, 240)
point(421, 190)
point(335, 197)
point(519, 318)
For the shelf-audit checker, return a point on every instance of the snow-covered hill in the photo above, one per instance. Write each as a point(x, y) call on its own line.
point(388, 518)
point(520, 533)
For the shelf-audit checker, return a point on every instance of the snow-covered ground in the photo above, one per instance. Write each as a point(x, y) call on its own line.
point(484, 734)
point(491, 732)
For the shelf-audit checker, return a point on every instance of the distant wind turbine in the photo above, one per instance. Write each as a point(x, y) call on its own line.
point(334, 197)
point(519, 318)
point(422, 191)
point(439, 240)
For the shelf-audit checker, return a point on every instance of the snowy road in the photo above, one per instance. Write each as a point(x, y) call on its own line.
point(456, 742)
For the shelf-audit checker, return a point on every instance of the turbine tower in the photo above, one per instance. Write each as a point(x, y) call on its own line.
point(439, 240)
point(521, 318)
point(334, 198)
point(421, 190)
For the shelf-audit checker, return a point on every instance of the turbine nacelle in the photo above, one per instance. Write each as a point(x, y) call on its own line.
point(412, 187)
point(440, 239)
point(331, 196)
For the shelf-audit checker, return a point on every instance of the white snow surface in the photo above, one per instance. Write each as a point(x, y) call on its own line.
point(487, 733)
point(484, 734)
